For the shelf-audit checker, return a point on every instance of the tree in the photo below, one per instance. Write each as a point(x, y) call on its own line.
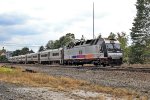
point(63, 41)
point(31, 51)
point(3, 50)
point(123, 39)
point(3, 59)
point(140, 32)
point(112, 35)
point(50, 44)
point(41, 48)
point(23, 51)
point(147, 28)
point(16, 53)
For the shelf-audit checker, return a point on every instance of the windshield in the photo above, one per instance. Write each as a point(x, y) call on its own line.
point(113, 47)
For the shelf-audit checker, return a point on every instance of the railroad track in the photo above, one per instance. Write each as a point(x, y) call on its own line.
point(117, 68)
point(130, 69)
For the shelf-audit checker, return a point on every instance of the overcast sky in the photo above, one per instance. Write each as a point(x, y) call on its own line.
point(33, 22)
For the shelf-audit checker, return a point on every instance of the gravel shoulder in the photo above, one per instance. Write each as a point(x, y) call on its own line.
point(18, 92)
point(137, 81)
point(15, 92)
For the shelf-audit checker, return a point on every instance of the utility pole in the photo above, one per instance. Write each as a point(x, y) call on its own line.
point(93, 20)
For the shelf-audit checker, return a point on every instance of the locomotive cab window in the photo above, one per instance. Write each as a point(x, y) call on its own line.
point(113, 47)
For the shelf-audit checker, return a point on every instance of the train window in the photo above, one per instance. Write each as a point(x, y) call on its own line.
point(34, 56)
point(44, 55)
point(29, 56)
point(101, 50)
point(55, 54)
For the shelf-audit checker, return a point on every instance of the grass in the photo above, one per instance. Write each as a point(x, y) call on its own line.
point(58, 83)
point(136, 65)
point(6, 70)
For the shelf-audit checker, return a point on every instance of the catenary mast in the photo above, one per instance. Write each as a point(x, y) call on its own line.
point(93, 20)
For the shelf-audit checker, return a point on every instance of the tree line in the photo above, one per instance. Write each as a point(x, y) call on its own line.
point(140, 33)
point(63, 41)
point(23, 51)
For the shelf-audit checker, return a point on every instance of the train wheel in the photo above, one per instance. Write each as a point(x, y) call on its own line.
point(104, 65)
point(112, 65)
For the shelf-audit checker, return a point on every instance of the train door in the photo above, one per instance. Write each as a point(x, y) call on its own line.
point(39, 58)
point(104, 49)
point(49, 58)
point(26, 59)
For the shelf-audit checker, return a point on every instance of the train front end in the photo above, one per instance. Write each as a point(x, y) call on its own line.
point(114, 52)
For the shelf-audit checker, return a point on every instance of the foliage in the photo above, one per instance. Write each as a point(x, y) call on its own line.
point(31, 51)
point(23, 51)
point(112, 36)
point(140, 32)
point(3, 50)
point(50, 44)
point(16, 53)
point(123, 39)
point(5, 70)
point(41, 48)
point(3, 59)
point(63, 41)
point(136, 54)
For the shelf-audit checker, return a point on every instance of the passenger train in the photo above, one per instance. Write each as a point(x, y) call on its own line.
point(100, 51)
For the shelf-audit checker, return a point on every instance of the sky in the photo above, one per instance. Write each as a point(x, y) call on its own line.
point(33, 23)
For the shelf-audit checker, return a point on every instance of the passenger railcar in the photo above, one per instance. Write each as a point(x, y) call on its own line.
point(51, 56)
point(100, 51)
point(35, 57)
point(29, 58)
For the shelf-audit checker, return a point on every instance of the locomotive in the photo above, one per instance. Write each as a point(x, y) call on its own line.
point(100, 51)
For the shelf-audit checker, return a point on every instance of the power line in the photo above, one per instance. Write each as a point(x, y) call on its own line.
point(20, 45)
point(93, 20)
